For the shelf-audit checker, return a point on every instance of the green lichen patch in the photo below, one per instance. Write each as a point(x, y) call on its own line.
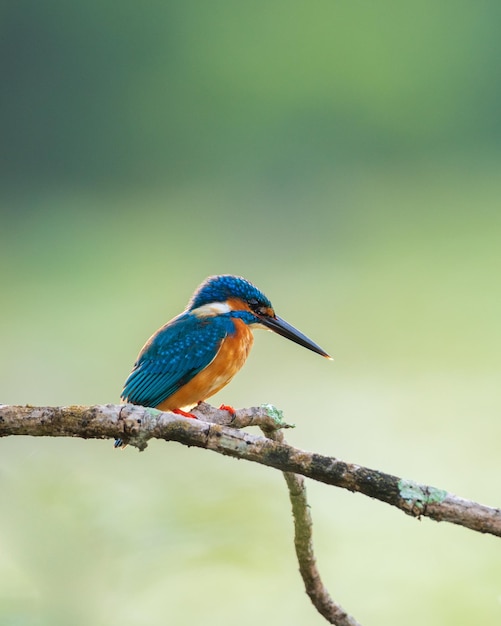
point(436, 495)
point(419, 495)
point(276, 415)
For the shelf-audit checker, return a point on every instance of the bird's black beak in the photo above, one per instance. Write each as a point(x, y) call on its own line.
point(281, 327)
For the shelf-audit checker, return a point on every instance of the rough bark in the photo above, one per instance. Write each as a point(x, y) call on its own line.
point(220, 431)
point(136, 425)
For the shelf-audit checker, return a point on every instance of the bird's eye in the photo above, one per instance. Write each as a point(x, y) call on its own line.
point(259, 308)
point(253, 304)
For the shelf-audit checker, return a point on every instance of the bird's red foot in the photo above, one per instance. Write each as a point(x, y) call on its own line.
point(184, 413)
point(226, 407)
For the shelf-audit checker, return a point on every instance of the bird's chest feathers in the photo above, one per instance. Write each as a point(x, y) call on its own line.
point(231, 355)
point(230, 358)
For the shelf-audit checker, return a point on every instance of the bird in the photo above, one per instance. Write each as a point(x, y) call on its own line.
point(198, 352)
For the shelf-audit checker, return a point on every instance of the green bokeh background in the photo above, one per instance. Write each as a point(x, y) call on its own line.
point(345, 157)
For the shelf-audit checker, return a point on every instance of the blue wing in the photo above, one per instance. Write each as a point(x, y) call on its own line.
point(173, 356)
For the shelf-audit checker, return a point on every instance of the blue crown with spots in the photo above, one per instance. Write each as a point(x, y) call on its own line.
point(220, 288)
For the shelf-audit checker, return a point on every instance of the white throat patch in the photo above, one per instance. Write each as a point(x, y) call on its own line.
point(212, 309)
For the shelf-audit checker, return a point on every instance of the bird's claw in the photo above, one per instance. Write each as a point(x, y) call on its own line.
point(227, 407)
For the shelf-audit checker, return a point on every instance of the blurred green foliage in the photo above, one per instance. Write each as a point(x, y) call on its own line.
point(346, 158)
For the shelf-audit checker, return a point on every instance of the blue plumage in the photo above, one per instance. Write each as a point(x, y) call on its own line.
point(211, 338)
point(221, 288)
point(174, 355)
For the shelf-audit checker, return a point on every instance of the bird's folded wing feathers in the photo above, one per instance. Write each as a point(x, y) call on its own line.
point(173, 356)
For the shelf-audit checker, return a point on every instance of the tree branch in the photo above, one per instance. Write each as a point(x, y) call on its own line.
point(303, 542)
point(217, 430)
point(136, 425)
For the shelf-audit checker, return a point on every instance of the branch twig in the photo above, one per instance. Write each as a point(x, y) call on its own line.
point(303, 542)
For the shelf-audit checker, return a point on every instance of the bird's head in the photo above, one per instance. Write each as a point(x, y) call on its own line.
point(219, 295)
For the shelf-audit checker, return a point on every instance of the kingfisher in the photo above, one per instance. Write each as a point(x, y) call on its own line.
point(197, 353)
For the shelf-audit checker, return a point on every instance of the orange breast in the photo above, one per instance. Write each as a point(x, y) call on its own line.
point(227, 362)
